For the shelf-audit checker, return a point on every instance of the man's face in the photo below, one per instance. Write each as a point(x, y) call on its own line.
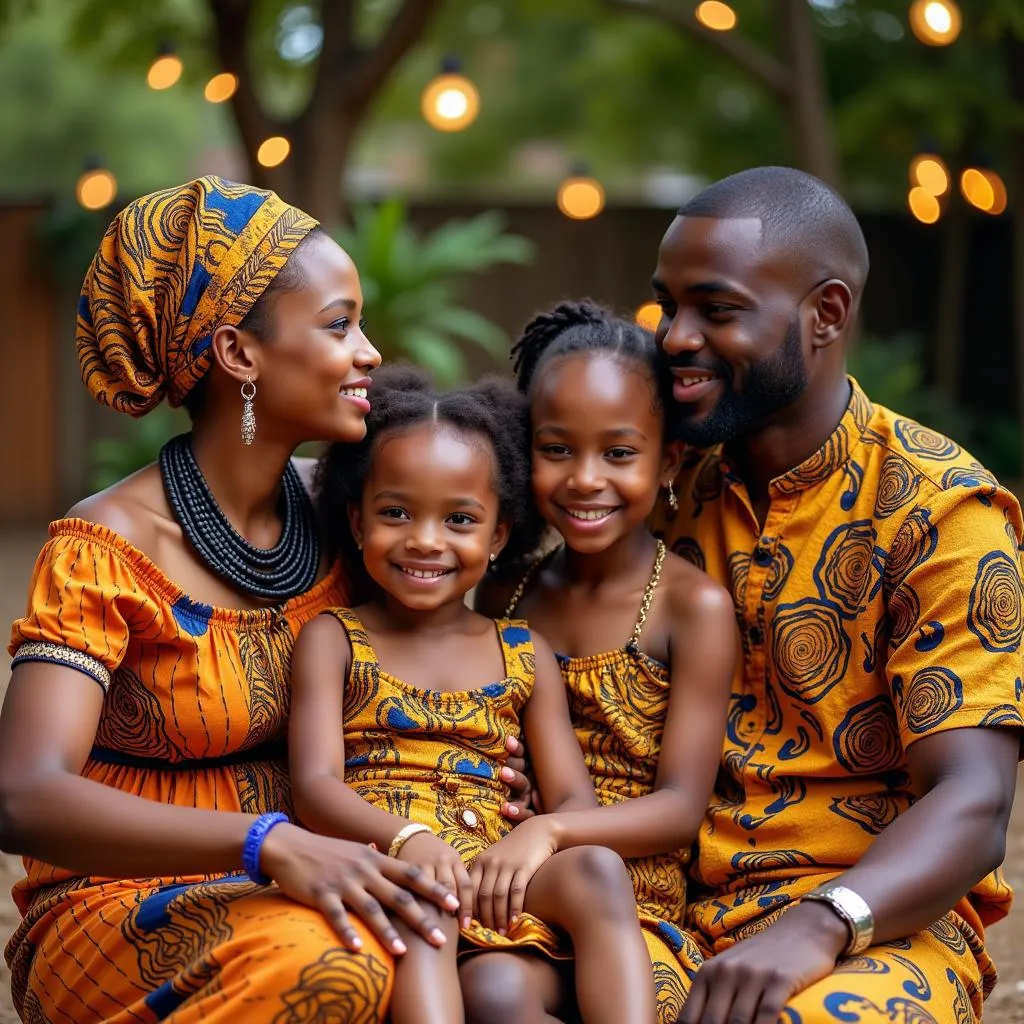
point(730, 330)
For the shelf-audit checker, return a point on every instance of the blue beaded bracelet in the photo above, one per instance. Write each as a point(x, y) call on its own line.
point(254, 843)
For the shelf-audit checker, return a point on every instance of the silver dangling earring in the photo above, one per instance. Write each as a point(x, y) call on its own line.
point(248, 416)
point(673, 501)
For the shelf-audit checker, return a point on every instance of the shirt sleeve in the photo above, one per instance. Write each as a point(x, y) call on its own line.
point(956, 614)
point(81, 602)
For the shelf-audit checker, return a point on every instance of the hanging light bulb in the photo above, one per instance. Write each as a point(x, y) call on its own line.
point(273, 151)
point(166, 68)
point(450, 102)
point(984, 190)
point(923, 205)
point(716, 16)
point(96, 187)
point(935, 22)
point(648, 316)
point(580, 196)
point(931, 173)
point(221, 87)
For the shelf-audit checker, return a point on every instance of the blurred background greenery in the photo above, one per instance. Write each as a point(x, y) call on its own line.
point(643, 94)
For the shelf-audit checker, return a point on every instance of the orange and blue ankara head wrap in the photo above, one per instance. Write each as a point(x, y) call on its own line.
point(172, 267)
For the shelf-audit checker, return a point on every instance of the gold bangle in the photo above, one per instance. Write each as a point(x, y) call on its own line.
point(404, 835)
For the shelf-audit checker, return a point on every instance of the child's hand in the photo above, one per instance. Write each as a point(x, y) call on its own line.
point(525, 800)
point(440, 863)
point(502, 872)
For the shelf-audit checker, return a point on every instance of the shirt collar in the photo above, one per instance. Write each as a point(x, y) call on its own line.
point(832, 455)
point(835, 452)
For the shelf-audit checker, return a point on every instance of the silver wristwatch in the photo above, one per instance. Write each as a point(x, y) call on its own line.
point(853, 909)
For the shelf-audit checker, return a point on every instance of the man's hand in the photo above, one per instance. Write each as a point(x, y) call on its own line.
point(751, 982)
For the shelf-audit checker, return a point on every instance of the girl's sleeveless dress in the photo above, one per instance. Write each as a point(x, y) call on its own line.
point(433, 756)
point(618, 702)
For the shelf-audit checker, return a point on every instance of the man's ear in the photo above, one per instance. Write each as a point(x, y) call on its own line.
point(833, 309)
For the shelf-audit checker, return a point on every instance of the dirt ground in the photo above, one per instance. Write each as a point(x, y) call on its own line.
point(1006, 940)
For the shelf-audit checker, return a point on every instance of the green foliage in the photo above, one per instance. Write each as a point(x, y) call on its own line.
point(410, 284)
point(892, 372)
point(113, 458)
point(71, 105)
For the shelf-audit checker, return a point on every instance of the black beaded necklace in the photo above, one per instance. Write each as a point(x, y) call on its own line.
point(280, 572)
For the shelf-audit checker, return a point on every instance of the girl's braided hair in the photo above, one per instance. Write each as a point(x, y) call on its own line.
point(403, 396)
point(582, 326)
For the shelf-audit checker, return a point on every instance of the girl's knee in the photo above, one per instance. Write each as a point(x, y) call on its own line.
point(596, 878)
point(494, 987)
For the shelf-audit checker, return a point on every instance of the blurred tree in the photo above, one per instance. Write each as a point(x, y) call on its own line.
point(307, 71)
point(794, 76)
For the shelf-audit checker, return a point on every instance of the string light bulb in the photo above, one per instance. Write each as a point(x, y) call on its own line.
point(935, 22)
point(716, 16)
point(648, 316)
point(984, 190)
point(580, 196)
point(930, 173)
point(273, 151)
point(165, 70)
point(221, 87)
point(96, 187)
point(450, 102)
point(923, 205)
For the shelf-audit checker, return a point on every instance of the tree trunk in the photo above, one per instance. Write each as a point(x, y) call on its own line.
point(797, 80)
point(814, 145)
point(1015, 188)
point(348, 77)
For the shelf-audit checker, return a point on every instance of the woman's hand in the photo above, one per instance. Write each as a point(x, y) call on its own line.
point(525, 802)
point(502, 872)
point(751, 982)
point(438, 862)
point(329, 874)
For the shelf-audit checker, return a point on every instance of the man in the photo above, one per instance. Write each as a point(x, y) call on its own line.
point(846, 867)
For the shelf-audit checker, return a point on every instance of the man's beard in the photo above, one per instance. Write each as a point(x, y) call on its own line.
point(771, 385)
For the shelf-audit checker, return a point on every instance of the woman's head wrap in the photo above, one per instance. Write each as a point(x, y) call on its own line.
point(172, 267)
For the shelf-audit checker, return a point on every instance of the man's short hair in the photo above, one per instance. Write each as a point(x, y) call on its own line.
point(803, 220)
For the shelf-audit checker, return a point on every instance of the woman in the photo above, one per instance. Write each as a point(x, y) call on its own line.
point(141, 736)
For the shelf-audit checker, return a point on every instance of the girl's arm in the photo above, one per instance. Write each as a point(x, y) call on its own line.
point(316, 744)
point(558, 766)
point(702, 654)
point(316, 759)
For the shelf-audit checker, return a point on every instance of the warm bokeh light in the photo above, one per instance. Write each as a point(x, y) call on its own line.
point(164, 71)
point(96, 188)
point(221, 87)
point(931, 173)
point(273, 151)
point(923, 205)
point(715, 15)
point(450, 102)
point(935, 22)
point(580, 197)
point(983, 189)
point(648, 316)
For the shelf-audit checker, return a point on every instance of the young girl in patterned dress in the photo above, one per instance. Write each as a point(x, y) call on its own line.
point(646, 641)
point(429, 691)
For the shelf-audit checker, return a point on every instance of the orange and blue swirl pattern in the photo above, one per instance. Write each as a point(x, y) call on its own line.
point(194, 715)
point(433, 756)
point(879, 602)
